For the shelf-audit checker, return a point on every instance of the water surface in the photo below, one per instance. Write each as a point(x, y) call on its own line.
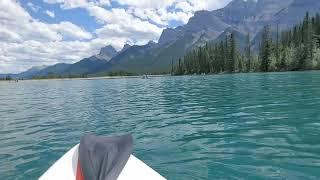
point(242, 126)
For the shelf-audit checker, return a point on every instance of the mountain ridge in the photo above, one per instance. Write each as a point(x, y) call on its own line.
point(242, 16)
point(245, 16)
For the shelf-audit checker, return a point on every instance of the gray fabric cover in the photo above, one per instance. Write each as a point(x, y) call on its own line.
point(103, 158)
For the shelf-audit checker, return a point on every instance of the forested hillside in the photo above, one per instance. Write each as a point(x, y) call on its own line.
point(292, 50)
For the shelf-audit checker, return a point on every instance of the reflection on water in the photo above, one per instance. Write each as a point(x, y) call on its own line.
point(243, 126)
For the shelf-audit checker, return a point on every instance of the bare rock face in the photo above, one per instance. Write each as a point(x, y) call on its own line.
point(201, 22)
point(106, 53)
point(248, 16)
point(125, 47)
point(293, 14)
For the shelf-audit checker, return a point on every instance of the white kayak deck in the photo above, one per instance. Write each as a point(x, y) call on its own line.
point(66, 168)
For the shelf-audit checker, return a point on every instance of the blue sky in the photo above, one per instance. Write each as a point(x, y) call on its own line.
point(46, 32)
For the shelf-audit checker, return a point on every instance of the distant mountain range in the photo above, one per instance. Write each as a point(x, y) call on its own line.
point(239, 16)
point(26, 74)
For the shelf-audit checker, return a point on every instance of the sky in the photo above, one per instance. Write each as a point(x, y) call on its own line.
point(46, 32)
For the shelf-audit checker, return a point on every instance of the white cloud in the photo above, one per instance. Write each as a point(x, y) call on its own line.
point(50, 13)
point(70, 4)
point(70, 31)
point(104, 2)
point(156, 11)
point(20, 56)
point(33, 7)
point(26, 41)
point(185, 6)
point(162, 12)
point(147, 3)
point(207, 4)
point(9, 36)
point(118, 23)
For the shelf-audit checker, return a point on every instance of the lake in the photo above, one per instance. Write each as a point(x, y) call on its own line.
point(240, 126)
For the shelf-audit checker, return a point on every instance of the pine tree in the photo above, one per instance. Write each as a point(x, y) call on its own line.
point(232, 57)
point(172, 67)
point(180, 67)
point(226, 54)
point(248, 53)
point(221, 56)
point(277, 49)
point(310, 42)
point(283, 64)
point(240, 63)
point(295, 49)
point(305, 48)
point(317, 24)
point(265, 51)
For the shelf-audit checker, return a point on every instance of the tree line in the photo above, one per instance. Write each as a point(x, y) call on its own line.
point(51, 75)
point(7, 78)
point(291, 50)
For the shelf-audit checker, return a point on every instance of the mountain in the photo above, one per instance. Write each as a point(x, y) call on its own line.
point(251, 15)
point(106, 53)
point(294, 13)
point(3, 76)
point(30, 72)
point(84, 67)
point(56, 69)
point(125, 47)
point(87, 66)
point(240, 37)
point(201, 22)
point(91, 65)
point(173, 43)
point(239, 16)
point(153, 57)
point(26, 74)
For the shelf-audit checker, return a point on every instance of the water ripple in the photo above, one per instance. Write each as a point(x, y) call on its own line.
point(243, 126)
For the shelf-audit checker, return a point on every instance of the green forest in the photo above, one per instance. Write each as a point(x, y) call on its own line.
point(296, 49)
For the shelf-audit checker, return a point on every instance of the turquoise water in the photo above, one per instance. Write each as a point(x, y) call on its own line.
point(242, 126)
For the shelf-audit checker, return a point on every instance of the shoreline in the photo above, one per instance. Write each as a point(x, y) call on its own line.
point(149, 76)
point(93, 78)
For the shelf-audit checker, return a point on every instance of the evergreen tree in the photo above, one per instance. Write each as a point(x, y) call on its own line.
point(221, 55)
point(294, 49)
point(277, 50)
point(226, 54)
point(172, 67)
point(180, 67)
point(240, 63)
point(232, 57)
point(283, 64)
point(248, 53)
point(265, 51)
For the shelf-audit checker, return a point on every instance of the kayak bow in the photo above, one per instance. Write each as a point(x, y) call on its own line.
point(100, 163)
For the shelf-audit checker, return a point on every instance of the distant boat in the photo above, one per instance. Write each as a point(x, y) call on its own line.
point(145, 76)
point(81, 161)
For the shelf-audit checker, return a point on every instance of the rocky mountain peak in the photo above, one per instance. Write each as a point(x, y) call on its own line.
point(106, 53)
point(168, 35)
point(125, 47)
point(241, 3)
point(108, 50)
